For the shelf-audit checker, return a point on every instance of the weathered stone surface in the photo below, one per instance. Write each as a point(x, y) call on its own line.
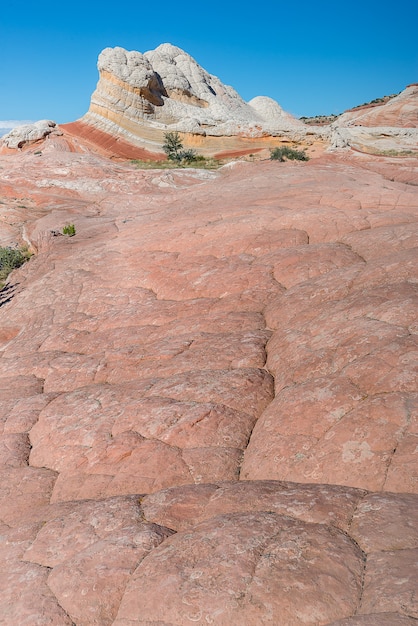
point(14, 450)
point(183, 507)
point(258, 567)
point(385, 571)
point(344, 439)
point(24, 490)
point(380, 140)
point(92, 551)
point(344, 350)
point(139, 417)
point(380, 128)
point(25, 597)
point(385, 521)
point(301, 264)
point(385, 240)
point(118, 441)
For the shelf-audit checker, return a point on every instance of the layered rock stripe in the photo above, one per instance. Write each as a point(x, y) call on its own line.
point(209, 394)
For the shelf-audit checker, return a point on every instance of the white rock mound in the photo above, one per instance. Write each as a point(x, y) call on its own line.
point(379, 140)
point(272, 113)
point(29, 133)
point(166, 88)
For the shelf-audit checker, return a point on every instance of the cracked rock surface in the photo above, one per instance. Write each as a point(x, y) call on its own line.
point(208, 399)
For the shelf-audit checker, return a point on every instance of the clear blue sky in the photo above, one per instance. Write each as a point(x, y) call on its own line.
point(312, 57)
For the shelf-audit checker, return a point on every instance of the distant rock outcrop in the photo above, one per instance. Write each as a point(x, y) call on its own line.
point(388, 140)
point(388, 127)
point(400, 111)
point(29, 133)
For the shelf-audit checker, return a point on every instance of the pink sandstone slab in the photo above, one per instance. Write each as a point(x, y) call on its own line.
point(258, 567)
point(118, 441)
point(384, 571)
point(183, 507)
point(346, 442)
point(385, 521)
point(302, 263)
point(22, 490)
point(138, 412)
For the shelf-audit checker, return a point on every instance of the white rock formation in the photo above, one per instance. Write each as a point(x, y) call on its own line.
point(28, 133)
point(166, 88)
point(272, 113)
point(379, 140)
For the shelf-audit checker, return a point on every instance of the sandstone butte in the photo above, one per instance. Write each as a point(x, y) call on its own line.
point(209, 393)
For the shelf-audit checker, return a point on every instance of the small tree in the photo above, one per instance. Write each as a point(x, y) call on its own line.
point(173, 146)
point(174, 150)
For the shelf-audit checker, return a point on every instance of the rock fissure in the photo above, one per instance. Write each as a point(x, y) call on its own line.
point(273, 382)
point(400, 437)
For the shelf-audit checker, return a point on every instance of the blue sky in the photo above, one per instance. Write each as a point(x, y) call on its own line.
point(312, 57)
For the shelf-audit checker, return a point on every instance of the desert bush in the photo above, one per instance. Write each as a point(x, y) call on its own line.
point(69, 229)
point(10, 259)
point(284, 152)
point(187, 156)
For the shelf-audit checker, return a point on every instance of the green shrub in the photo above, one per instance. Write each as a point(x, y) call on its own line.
point(172, 146)
point(187, 156)
point(69, 229)
point(10, 259)
point(283, 153)
point(201, 158)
